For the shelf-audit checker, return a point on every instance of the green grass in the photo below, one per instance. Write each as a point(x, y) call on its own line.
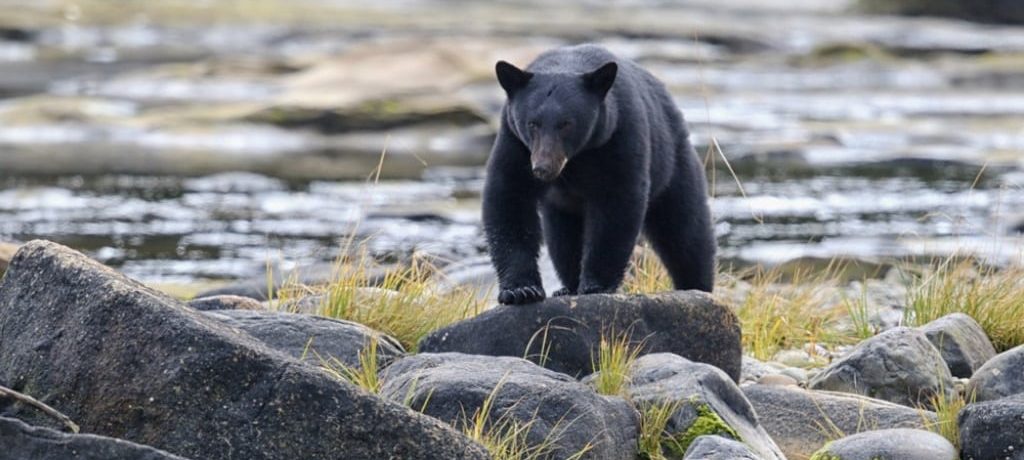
point(365, 375)
point(653, 436)
point(615, 357)
point(405, 304)
point(994, 297)
point(947, 409)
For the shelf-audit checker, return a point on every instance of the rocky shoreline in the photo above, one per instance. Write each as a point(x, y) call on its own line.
point(135, 368)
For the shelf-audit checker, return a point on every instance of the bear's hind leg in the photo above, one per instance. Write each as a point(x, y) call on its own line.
point(678, 225)
point(563, 233)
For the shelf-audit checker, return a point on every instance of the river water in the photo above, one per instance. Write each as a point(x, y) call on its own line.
point(201, 144)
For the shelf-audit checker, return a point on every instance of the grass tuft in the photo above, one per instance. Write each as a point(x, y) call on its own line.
point(403, 303)
point(947, 409)
point(994, 297)
point(615, 357)
point(653, 434)
point(364, 375)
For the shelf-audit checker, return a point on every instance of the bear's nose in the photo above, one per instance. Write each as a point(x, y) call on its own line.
point(544, 172)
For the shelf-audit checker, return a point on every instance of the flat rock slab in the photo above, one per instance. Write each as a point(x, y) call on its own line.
point(1000, 377)
point(802, 421)
point(706, 398)
point(993, 429)
point(962, 342)
point(125, 361)
point(718, 448)
point(564, 333)
point(898, 443)
point(22, 441)
point(561, 412)
point(899, 365)
point(316, 339)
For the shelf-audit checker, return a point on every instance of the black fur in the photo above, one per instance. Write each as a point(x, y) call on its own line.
point(598, 144)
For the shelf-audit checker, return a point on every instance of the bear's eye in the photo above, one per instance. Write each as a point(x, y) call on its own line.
point(532, 124)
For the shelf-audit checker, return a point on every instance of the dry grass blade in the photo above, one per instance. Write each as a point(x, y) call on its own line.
point(615, 356)
point(37, 404)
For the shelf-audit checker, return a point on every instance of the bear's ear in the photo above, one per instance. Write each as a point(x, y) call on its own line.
point(511, 78)
point(601, 80)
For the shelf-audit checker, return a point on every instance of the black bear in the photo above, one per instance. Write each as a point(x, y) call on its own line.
point(599, 145)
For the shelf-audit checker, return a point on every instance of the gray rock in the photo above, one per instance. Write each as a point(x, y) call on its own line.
point(22, 441)
point(802, 421)
point(1001, 376)
point(565, 413)
point(753, 369)
point(993, 429)
point(898, 365)
point(314, 338)
point(961, 341)
point(703, 391)
point(124, 360)
point(718, 448)
point(896, 444)
point(225, 302)
point(567, 331)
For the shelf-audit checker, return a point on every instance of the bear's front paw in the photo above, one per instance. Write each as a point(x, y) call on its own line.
point(521, 295)
point(563, 292)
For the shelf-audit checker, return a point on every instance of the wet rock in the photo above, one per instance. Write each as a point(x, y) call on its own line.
point(225, 302)
point(566, 331)
point(997, 11)
point(123, 360)
point(22, 441)
point(753, 369)
point(993, 429)
point(899, 365)
point(313, 338)
point(718, 448)
point(7, 251)
point(961, 341)
point(1001, 376)
point(563, 412)
point(802, 421)
point(898, 443)
point(709, 402)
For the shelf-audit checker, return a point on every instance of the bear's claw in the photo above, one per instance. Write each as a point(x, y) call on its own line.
point(521, 295)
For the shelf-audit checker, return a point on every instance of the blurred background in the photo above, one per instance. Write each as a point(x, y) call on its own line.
point(187, 141)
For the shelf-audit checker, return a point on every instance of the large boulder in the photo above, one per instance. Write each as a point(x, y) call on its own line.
point(962, 342)
point(564, 333)
point(802, 421)
point(993, 429)
point(897, 443)
point(560, 412)
point(22, 441)
point(711, 447)
point(314, 338)
point(1001, 376)
point(709, 402)
point(125, 361)
point(899, 365)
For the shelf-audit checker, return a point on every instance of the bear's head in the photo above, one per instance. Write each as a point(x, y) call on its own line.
point(555, 115)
